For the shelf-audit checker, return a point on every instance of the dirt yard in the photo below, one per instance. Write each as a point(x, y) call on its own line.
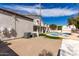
point(33, 46)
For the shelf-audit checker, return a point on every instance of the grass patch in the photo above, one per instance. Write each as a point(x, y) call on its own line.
point(51, 37)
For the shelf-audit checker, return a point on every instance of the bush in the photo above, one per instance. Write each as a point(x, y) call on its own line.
point(42, 34)
point(1, 41)
point(59, 27)
point(53, 26)
point(51, 37)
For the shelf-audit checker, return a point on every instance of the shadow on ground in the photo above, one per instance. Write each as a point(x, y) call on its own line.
point(44, 52)
point(5, 50)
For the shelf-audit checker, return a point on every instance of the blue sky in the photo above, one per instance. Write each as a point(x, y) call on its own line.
point(52, 13)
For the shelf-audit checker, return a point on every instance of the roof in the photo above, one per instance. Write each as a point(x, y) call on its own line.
point(33, 16)
point(8, 12)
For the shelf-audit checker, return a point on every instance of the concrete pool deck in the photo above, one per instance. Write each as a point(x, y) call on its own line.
point(73, 36)
point(33, 46)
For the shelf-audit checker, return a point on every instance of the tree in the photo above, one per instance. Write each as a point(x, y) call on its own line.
point(77, 21)
point(53, 26)
point(74, 21)
point(59, 27)
point(71, 21)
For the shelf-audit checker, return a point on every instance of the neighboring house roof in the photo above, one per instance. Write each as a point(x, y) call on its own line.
point(33, 16)
point(8, 12)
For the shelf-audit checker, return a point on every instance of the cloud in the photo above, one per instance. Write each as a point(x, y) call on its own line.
point(54, 12)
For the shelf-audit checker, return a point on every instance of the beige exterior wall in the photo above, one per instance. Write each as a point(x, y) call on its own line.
point(6, 21)
point(21, 25)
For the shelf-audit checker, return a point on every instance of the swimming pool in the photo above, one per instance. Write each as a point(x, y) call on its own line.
point(59, 34)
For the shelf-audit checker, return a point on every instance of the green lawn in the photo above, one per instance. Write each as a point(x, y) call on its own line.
point(51, 37)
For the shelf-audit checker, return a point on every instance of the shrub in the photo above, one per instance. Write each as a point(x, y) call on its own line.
point(1, 41)
point(42, 34)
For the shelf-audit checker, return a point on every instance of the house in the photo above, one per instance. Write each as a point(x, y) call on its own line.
point(38, 25)
point(68, 28)
point(21, 23)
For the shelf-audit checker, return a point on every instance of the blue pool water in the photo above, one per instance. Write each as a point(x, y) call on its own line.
point(56, 34)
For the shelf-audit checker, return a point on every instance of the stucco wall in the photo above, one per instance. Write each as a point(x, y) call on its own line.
point(21, 25)
point(6, 21)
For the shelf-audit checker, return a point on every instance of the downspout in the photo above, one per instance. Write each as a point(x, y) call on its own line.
point(15, 19)
point(15, 22)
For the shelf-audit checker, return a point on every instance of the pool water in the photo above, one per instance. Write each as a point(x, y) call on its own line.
point(56, 34)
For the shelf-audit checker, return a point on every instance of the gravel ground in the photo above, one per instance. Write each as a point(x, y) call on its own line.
point(33, 46)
